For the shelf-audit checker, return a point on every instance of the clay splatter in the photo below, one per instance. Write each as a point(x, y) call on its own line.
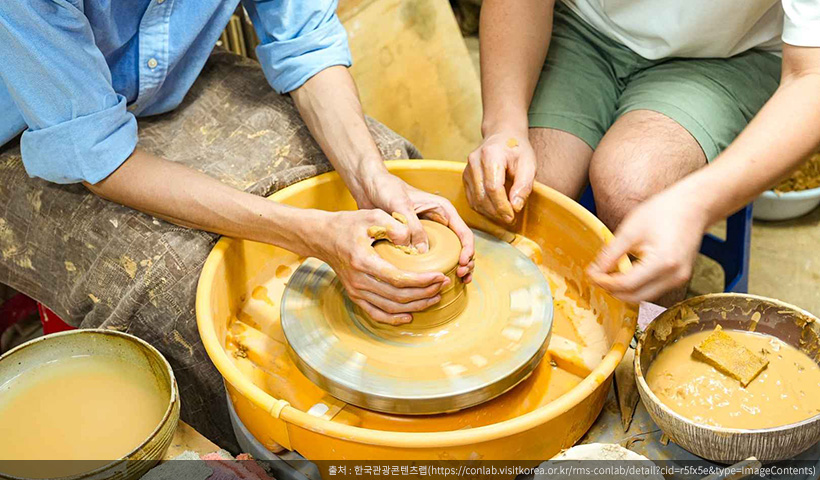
point(283, 271)
point(129, 265)
point(35, 199)
point(261, 293)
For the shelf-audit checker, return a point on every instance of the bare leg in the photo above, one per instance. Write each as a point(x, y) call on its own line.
point(642, 153)
point(562, 160)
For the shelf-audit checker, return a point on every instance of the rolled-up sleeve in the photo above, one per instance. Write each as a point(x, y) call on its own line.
point(801, 23)
point(77, 126)
point(298, 39)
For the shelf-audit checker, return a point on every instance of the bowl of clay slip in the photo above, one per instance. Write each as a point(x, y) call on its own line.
point(128, 359)
point(790, 324)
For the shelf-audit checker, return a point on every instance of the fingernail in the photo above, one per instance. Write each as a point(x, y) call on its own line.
point(446, 282)
point(517, 203)
point(421, 247)
point(508, 218)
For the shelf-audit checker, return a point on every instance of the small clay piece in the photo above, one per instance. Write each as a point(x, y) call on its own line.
point(512, 142)
point(377, 232)
point(729, 357)
point(400, 218)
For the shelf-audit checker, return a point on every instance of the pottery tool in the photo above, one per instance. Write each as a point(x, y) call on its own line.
point(626, 388)
point(479, 341)
point(730, 357)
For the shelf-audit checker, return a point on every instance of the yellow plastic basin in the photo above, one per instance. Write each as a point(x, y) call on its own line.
point(279, 406)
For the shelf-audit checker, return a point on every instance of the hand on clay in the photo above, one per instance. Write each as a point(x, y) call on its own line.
point(502, 155)
point(391, 194)
point(664, 233)
point(386, 293)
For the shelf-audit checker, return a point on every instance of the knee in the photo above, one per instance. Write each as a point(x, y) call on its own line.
point(562, 160)
point(620, 185)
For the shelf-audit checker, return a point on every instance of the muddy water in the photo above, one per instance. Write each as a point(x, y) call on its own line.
point(786, 391)
point(79, 408)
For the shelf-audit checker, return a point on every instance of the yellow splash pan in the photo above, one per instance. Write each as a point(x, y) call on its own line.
point(237, 315)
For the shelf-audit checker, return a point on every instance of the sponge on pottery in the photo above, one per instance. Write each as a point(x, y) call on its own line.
point(729, 357)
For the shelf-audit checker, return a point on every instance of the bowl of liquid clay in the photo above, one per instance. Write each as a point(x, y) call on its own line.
point(732, 376)
point(85, 404)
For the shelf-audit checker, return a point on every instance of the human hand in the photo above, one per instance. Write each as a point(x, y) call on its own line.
point(664, 233)
point(504, 154)
point(391, 194)
point(383, 291)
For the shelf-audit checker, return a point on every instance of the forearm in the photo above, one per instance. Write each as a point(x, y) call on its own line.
point(329, 104)
point(181, 195)
point(774, 143)
point(514, 38)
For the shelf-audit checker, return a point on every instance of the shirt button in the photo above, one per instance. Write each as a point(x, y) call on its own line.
point(152, 63)
point(160, 2)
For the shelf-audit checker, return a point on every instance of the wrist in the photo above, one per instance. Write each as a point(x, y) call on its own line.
point(701, 199)
point(362, 178)
point(295, 229)
point(512, 122)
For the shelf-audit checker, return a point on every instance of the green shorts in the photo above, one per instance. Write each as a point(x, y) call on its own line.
point(589, 80)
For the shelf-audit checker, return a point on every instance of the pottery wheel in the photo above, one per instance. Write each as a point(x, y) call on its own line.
point(482, 339)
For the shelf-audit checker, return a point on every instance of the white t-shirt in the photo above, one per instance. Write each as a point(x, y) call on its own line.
point(703, 28)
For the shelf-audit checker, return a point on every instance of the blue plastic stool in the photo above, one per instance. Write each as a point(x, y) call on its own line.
point(732, 254)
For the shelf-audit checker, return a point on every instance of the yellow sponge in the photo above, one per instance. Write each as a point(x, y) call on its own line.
point(731, 358)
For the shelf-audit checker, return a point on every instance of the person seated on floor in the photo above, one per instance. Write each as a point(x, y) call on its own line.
point(77, 73)
point(678, 113)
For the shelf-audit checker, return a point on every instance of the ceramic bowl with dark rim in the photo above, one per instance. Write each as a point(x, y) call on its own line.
point(790, 324)
point(122, 346)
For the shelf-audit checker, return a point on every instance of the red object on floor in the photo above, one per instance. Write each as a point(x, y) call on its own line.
point(15, 309)
point(51, 322)
point(21, 306)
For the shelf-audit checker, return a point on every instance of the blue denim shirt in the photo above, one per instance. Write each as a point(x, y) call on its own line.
point(75, 73)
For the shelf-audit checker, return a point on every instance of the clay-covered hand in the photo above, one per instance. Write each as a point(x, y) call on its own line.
point(391, 194)
point(503, 155)
point(387, 294)
point(664, 233)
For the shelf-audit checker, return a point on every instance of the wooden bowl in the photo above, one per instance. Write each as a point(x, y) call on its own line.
point(109, 343)
point(790, 324)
